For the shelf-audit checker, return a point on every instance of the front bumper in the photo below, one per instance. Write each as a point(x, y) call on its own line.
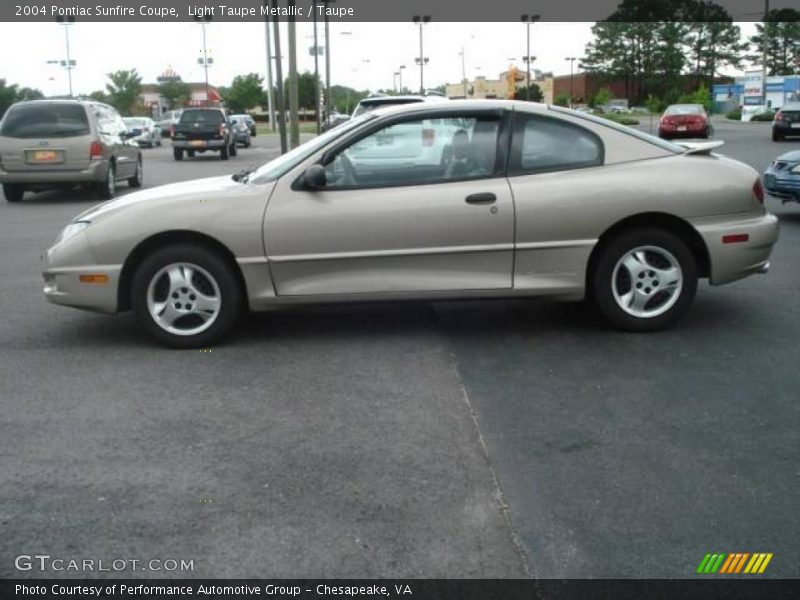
point(62, 279)
point(96, 171)
point(732, 261)
point(783, 184)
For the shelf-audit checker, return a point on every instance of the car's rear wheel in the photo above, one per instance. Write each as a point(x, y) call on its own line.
point(138, 176)
point(234, 149)
point(186, 296)
point(644, 280)
point(107, 188)
point(776, 137)
point(223, 153)
point(177, 153)
point(12, 192)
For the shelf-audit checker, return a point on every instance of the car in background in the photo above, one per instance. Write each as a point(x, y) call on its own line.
point(787, 122)
point(166, 124)
point(380, 100)
point(241, 131)
point(150, 135)
point(248, 120)
point(498, 220)
point(684, 120)
point(782, 177)
point(335, 120)
point(201, 130)
point(52, 144)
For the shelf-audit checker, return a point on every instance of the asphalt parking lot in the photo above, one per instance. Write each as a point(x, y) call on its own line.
point(446, 439)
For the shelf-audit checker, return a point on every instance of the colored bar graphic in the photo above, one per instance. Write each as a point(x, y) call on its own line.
point(734, 563)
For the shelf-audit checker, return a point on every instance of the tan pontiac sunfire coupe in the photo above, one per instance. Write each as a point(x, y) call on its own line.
point(450, 200)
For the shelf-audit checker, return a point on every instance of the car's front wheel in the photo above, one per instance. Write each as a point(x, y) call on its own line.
point(644, 280)
point(12, 192)
point(186, 296)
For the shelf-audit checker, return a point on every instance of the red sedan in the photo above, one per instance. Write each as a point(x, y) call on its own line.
point(684, 120)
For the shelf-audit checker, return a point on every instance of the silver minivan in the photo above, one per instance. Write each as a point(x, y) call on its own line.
point(51, 144)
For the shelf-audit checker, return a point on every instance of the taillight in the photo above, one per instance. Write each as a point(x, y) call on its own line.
point(779, 116)
point(428, 137)
point(172, 131)
point(758, 190)
point(95, 150)
point(145, 129)
point(222, 130)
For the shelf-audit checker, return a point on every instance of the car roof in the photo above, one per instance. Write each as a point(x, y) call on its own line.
point(791, 106)
point(461, 105)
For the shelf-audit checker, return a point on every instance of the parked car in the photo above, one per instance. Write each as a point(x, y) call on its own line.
point(536, 201)
point(241, 131)
point(50, 144)
point(335, 120)
point(787, 122)
point(684, 120)
point(249, 121)
point(201, 130)
point(380, 100)
point(150, 135)
point(168, 122)
point(782, 177)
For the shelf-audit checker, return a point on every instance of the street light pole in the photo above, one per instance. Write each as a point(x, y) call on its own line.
point(316, 72)
point(528, 20)
point(571, 60)
point(463, 71)
point(294, 126)
point(279, 77)
point(400, 78)
point(66, 22)
point(421, 20)
point(327, 65)
point(271, 107)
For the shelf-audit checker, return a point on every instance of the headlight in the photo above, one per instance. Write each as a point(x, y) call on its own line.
point(72, 229)
point(796, 169)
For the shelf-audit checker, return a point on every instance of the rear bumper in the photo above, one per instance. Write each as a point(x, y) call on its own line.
point(732, 261)
point(784, 128)
point(198, 144)
point(96, 171)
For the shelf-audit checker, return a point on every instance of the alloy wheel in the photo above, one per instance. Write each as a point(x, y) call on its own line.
point(647, 281)
point(183, 299)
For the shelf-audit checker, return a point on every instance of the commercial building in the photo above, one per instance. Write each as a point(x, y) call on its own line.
point(199, 94)
point(748, 91)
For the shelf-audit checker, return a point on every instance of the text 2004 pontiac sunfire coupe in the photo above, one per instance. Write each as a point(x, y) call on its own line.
point(468, 199)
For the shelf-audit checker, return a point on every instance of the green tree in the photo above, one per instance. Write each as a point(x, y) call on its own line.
point(13, 93)
point(713, 41)
point(701, 95)
point(175, 93)
point(536, 94)
point(783, 47)
point(99, 96)
point(602, 97)
point(561, 99)
point(244, 92)
point(123, 89)
point(344, 98)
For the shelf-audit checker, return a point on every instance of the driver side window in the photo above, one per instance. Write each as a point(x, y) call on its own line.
point(418, 151)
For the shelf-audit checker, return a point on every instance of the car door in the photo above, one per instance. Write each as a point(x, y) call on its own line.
point(398, 227)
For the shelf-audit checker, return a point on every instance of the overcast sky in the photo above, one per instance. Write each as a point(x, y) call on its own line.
point(238, 48)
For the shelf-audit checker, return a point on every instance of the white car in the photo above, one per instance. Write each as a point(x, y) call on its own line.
point(149, 131)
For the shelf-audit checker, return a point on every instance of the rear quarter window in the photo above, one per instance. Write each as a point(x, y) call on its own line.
point(45, 121)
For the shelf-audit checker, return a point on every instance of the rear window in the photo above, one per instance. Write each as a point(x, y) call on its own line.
point(202, 116)
point(45, 121)
point(369, 105)
point(684, 109)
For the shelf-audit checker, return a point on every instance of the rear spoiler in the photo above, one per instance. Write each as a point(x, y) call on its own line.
point(699, 147)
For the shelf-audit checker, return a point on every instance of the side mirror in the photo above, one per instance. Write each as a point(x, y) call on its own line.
point(314, 177)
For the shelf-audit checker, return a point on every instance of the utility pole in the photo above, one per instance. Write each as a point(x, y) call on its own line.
point(764, 52)
point(463, 71)
point(316, 72)
point(528, 20)
point(571, 60)
point(66, 22)
point(294, 127)
point(281, 116)
point(400, 78)
point(421, 61)
point(271, 110)
point(327, 64)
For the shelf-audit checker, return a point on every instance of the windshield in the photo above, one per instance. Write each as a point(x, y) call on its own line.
point(134, 122)
point(366, 106)
point(279, 166)
point(44, 120)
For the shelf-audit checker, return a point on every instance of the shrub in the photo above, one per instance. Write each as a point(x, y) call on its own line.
point(621, 119)
point(767, 115)
point(734, 115)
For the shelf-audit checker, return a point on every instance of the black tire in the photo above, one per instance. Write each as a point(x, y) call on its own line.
point(247, 144)
point(224, 153)
point(138, 177)
point(776, 137)
point(234, 149)
point(190, 153)
point(13, 193)
point(603, 282)
point(230, 301)
point(177, 153)
point(107, 188)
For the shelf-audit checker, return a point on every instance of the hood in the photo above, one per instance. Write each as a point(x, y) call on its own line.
point(193, 189)
point(791, 156)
